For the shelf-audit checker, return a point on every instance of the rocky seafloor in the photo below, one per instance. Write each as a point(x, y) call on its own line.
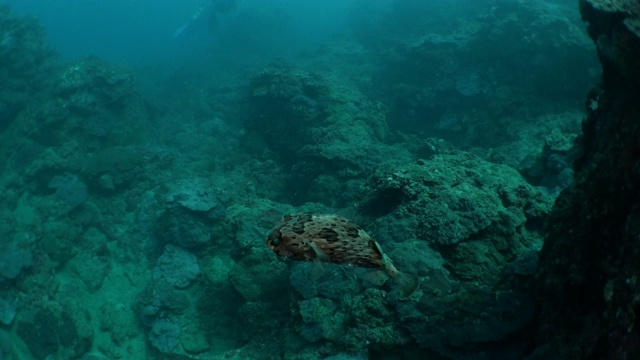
point(134, 227)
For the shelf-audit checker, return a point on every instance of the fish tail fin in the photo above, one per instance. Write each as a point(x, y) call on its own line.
point(407, 283)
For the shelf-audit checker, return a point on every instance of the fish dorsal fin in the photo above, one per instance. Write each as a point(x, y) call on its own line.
point(320, 256)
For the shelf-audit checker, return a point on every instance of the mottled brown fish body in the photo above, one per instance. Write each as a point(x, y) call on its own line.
point(302, 236)
point(333, 239)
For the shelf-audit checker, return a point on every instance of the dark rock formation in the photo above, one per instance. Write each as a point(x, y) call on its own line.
point(306, 116)
point(487, 65)
point(326, 131)
point(26, 61)
point(589, 295)
point(55, 330)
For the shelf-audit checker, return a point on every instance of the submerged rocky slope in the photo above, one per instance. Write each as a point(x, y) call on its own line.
point(134, 227)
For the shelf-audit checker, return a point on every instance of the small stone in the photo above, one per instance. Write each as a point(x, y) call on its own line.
point(195, 343)
point(165, 335)
point(106, 182)
point(8, 310)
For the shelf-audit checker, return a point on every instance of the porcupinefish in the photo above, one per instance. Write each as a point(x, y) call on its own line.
point(336, 240)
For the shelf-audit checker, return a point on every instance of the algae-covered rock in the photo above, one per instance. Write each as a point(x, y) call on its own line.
point(13, 260)
point(319, 320)
point(158, 299)
point(462, 224)
point(91, 85)
point(323, 129)
point(453, 197)
point(118, 320)
point(308, 115)
point(8, 309)
point(614, 27)
point(165, 335)
point(27, 62)
point(91, 268)
point(70, 189)
point(588, 291)
point(62, 331)
point(195, 194)
point(176, 266)
point(259, 276)
point(123, 164)
point(183, 228)
point(456, 78)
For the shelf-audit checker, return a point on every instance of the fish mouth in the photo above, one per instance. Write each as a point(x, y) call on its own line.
point(273, 242)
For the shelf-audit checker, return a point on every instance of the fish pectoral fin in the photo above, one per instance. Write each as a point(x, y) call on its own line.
point(320, 256)
point(375, 277)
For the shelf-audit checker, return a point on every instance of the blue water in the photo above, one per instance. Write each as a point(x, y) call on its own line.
point(139, 33)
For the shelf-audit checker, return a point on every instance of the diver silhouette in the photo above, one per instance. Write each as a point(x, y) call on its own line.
point(214, 9)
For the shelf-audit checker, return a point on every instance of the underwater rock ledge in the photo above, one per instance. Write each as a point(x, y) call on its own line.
point(588, 281)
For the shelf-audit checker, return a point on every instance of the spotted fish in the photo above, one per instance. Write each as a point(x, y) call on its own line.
point(333, 239)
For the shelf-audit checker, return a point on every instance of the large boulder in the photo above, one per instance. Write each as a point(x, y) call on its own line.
point(472, 231)
point(325, 130)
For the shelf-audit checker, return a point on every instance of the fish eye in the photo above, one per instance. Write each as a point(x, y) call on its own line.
point(273, 241)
